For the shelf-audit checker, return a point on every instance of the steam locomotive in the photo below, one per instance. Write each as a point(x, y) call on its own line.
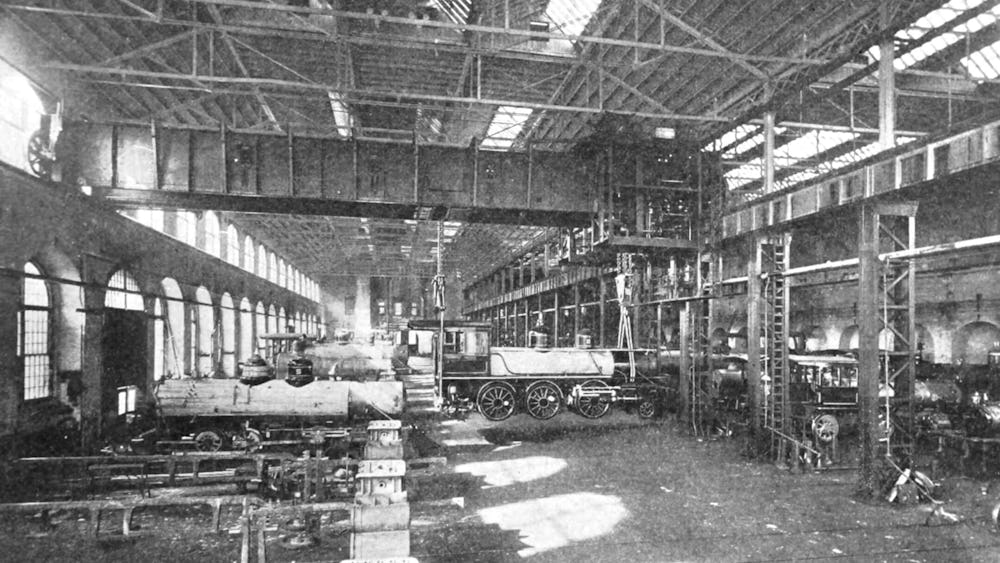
point(539, 380)
point(307, 393)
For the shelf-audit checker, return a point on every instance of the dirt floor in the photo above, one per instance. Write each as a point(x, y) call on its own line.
point(569, 489)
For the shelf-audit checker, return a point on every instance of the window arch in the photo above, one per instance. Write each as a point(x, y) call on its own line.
point(282, 273)
point(282, 320)
point(33, 343)
point(232, 246)
point(123, 292)
point(249, 262)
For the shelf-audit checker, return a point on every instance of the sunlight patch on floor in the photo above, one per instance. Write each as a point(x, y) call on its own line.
point(553, 522)
point(509, 471)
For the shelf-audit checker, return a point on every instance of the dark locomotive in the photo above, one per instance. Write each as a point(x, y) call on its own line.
point(470, 374)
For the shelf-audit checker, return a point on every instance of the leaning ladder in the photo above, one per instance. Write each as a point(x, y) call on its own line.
point(774, 262)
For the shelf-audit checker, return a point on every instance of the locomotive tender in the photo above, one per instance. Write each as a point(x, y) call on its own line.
point(501, 381)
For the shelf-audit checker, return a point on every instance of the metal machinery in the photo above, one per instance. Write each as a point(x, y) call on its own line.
point(310, 394)
point(501, 381)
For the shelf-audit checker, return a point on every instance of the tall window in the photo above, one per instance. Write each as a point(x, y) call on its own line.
point(246, 330)
point(272, 267)
point(212, 234)
point(33, 335)
point(261, 325)
point(152, 218)
point(282, 273)
point(249, 263)
point(232, 246)
point(261, 261)
point(123, 292)
point(186, 227)
point(159, 340)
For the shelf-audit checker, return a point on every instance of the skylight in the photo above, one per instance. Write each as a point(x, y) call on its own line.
point(791, 153)
point(341, 115)
point(455, 10)
point(747, 136)
point(505, 127)
point(571, 16)
point(984, 64)
point(935, 20)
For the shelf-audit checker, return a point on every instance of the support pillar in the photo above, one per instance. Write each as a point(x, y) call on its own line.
point(886, 85)
point(885, 290)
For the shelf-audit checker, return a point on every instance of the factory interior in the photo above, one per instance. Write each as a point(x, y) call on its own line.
point(500, 280)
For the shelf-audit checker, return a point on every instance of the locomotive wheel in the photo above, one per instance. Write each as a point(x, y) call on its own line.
point(208, 440)
point(248, 441)
point(496, 400)
point(543, 399)
point(825, 428)
point(647, 407)
point(593, 407)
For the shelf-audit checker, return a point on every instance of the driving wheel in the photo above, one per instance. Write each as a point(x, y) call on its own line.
point(593, 402)
point(208, 440)
point(825, 428)
point(496, 400)
point(542, 400)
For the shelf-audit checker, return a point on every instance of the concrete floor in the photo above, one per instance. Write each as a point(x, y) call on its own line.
point(618, 489)
point(621, 489)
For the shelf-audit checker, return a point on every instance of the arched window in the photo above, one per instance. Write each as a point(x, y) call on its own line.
point(282, 321)
point(174, 328)
point(187, 227)
point(228, 338)
point(212, 234)
point(249, 262)
point(261, 262)
point(123, 292)
point(246, 330)
point(272, 319)
point(272, 267)
point(207, 331)
point(33, 335)
point(159, 341)
point(261, 325)
point(282, 273)
point(232, 246)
